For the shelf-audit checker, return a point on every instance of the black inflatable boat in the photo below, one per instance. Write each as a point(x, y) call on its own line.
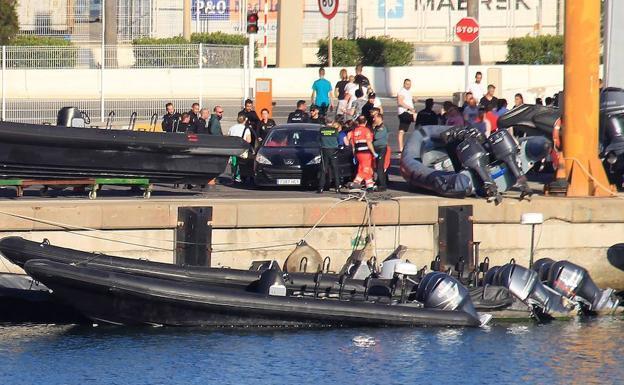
point(37, 151)
point(133, 300)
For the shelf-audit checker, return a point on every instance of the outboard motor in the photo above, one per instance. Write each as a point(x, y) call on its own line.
point(70, 117)
point(573, 282)
point(473, 156)
point(542, 268)
point(612, 133)
point(441, 291)
point(526, 286)
point(505, 149)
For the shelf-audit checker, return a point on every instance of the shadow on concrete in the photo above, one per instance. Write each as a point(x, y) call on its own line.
point(615, 255)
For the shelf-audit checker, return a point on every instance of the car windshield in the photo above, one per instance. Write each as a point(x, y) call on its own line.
point(289, 137)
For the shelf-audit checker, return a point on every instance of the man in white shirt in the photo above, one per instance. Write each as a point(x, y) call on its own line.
point(242, 131)
point(407, 113)
point(477, 88)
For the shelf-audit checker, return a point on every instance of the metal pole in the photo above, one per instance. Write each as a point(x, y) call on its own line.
point(196, 16)
point(201, 75)
point(386, 18)
point(532, 246)
point(330, 43)
point(245, 73)
point(102, 61)
point(186, 19)
point(466, 66)
point(4, 82)
point(250, 67)
point(608, 9)
point(585, 172)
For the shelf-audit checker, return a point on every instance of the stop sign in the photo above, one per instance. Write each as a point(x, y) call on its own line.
point(467, 30)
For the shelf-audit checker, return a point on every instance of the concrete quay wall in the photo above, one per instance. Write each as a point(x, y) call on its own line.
point(579, 229)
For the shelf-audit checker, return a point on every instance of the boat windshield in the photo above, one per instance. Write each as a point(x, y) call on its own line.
point(288, 137)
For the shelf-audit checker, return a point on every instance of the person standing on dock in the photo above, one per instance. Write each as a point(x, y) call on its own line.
point(329, 160)
point(253, 121)
point(201, 125)
point(214, 124)
point(380, 144)
point(361, 139)
point(322, 94)
point(171, 118)
point(194, 113)
point(299, 115)
point(241, 130)
point(407, 113)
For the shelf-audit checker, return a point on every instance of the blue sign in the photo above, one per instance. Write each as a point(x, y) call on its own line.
point(394, 8)
point(210, 10)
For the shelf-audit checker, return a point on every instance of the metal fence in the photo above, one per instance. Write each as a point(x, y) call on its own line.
point(89, 57)
point(125, 56)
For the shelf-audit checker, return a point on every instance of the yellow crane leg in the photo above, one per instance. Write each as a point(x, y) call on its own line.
point(584, 171)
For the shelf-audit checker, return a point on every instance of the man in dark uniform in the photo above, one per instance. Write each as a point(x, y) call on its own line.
point(299, 115)
point(194, 113)
point(329, 160)
point(171, 119)
point(185, 123)
point(315, 115)
point(427, 116)
point(253, 121)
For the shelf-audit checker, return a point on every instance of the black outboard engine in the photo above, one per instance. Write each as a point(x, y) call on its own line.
point(441, 291)
point(573, 282)
point(70, 117)
point(526, 286)
point(612, 133)
point(542, 268)
point(473, 156)
point(505, 149)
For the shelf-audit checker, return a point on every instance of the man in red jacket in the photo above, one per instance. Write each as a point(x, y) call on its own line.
point(361, 139)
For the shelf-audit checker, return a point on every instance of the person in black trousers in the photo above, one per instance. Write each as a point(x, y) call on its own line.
point(329, 161)
point(380, 143)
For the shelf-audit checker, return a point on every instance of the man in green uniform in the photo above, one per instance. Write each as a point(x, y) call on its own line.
point(329, 161)
point(214, 124)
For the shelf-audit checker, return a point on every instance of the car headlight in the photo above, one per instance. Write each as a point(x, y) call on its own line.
point(315, 160)
point(262, 159)
point(611, 158)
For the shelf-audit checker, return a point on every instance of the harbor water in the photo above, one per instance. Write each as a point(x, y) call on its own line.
point(562, 352)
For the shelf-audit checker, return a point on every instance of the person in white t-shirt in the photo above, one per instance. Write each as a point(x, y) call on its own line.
point(477, 88)
point(407, 113)
point(242, 131)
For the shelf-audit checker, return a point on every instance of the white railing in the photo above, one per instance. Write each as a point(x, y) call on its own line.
point(96, 102)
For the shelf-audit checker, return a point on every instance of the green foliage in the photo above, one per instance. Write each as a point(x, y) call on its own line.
point(385, 52)
point(219, 38)
point(373, 51)
point(44, 56)
point(345, 52)
point(9, 25)
point(547, 49)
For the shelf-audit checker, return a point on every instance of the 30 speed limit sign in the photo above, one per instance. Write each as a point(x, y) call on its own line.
point(328, 8)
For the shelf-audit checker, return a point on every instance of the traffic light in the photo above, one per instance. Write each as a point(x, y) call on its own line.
point(252, 22)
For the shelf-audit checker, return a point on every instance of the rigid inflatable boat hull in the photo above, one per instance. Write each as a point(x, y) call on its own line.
point(131, 300)
point(31, 151)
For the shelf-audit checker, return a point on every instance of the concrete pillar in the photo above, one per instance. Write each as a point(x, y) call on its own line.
point(290, 33)
point(585, 173)
point(186, 20)
point(614, 41)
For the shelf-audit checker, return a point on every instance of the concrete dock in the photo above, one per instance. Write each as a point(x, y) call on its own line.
point(256, 227)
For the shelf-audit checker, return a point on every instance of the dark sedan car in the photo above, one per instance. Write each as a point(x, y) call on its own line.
point(291, 156)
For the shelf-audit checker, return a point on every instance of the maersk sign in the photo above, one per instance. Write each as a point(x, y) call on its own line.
point(460, 5)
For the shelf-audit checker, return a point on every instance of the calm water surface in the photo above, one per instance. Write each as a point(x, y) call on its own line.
point(575, 352)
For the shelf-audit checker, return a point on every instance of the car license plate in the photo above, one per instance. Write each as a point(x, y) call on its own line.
point(289, 181)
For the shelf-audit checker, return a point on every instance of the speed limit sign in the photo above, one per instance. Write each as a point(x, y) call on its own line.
point(328, 8)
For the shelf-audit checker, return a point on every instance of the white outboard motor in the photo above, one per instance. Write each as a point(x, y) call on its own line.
point(573, 282)
point(439, 290)
point(526, 286)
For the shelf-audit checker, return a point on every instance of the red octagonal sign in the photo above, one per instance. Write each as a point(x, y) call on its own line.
point(467, 30)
